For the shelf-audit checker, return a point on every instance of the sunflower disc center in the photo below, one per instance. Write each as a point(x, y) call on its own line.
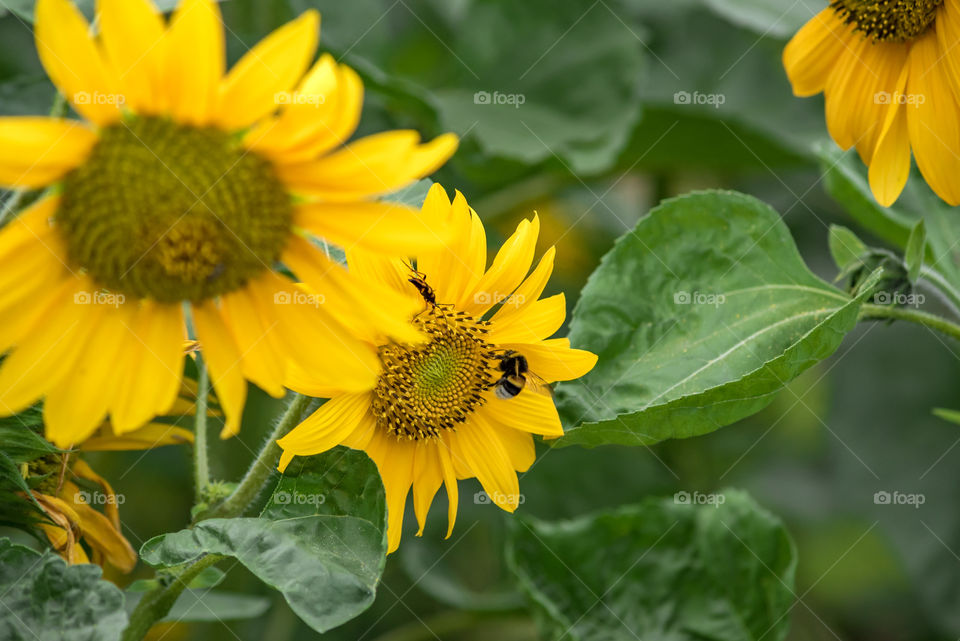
point(888, 20)
point(171, 212)
point(431, 387)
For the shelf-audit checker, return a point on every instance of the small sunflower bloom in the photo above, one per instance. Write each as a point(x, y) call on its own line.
point(465, 402)
point(177, 203)
point(890, 74)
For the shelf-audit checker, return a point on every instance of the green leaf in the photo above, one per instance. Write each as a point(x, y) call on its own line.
point(847, 250)
point(699, 316)
point(916, 245)
point(41, 597)
point(780, 18)
point(664, 569)
point(208, 578)
point(208, 605)
point(320, 541)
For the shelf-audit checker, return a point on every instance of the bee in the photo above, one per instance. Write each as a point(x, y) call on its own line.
point(516, 376)
point(419, 280)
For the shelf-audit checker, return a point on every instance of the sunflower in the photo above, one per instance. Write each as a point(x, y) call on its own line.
point(890, 73)
point(440, 409)
point(177, 202)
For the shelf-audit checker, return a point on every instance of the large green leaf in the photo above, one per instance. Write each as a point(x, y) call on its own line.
point(699, 316)
point(321, 540)
point(664, 569)
point(208, 605)
point(44, 599)
point(769, 17)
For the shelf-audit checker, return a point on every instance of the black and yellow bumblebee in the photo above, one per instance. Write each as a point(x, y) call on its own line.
point(516, 376)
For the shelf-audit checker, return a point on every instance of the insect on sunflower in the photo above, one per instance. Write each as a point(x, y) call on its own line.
point(176, 202)
point(463, 403)
point(890, 74)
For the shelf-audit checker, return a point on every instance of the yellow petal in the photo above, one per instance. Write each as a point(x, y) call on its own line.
point(507, 271)
point(427, 476)
point(32, 286)
point(934, 121)
point(73, 61)
point(518, 445)
point(841, 104)
point(948, 34)
point(536, 322)
point(253, 335)
point(390, 228)
point(154, 365)
point(321, 115)
point(103, 537)
point(890, 165)
point(530, 290)
point(813, 52)
point(37, 151)
point(224, 360)
point(375, 267)
point(195, 61)
point(553, 360)
point(147, 437)
point(132, 33)
point(250, 91)
point(478, 445)
point(374, 165)
point(455, 269)
point(370, 310)
point(527, 412)
point(80, 469)
point(76, 406)
point(449, 482)
point(326, 428)
point(394, 460)
point(47, 355)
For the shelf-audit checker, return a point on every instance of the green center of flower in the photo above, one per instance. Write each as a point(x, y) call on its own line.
point(431, 387)
point(888, 20)
point(171, 212)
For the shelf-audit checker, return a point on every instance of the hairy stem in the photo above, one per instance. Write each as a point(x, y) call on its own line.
point(876, 312)
point(201, 468)
point(263, 465)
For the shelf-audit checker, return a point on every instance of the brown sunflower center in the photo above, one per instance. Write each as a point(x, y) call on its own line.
point(888, 20)
point(171, 212)
point(431, 387)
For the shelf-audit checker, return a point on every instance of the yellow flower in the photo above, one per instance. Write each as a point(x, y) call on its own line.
point(190, 184)
point(72, 520)
point(890, 73)
point(437, 412)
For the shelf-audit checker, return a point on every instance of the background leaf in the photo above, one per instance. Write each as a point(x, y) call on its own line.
point(664, 569)
point(845, 248)
point(45, 599)
point(721, 314)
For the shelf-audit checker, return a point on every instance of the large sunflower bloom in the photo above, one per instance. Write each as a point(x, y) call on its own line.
point(188, 184)
point(890, 73)
point(434, 415)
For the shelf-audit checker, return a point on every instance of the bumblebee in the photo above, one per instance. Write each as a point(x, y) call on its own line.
point(516, 375)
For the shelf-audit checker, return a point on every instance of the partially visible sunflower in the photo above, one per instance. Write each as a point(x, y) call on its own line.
point(71, 520)
point(890, 73)
point(434, 415)
point(177, 202)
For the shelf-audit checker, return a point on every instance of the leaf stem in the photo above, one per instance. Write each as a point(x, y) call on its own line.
point(931, 321)
point(262, 466)
point(156, 604)
point(201, 466)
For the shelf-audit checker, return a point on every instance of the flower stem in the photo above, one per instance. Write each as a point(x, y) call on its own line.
point(875, 312)
point(262, 466)
point(201, 468)
point(156, 604)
